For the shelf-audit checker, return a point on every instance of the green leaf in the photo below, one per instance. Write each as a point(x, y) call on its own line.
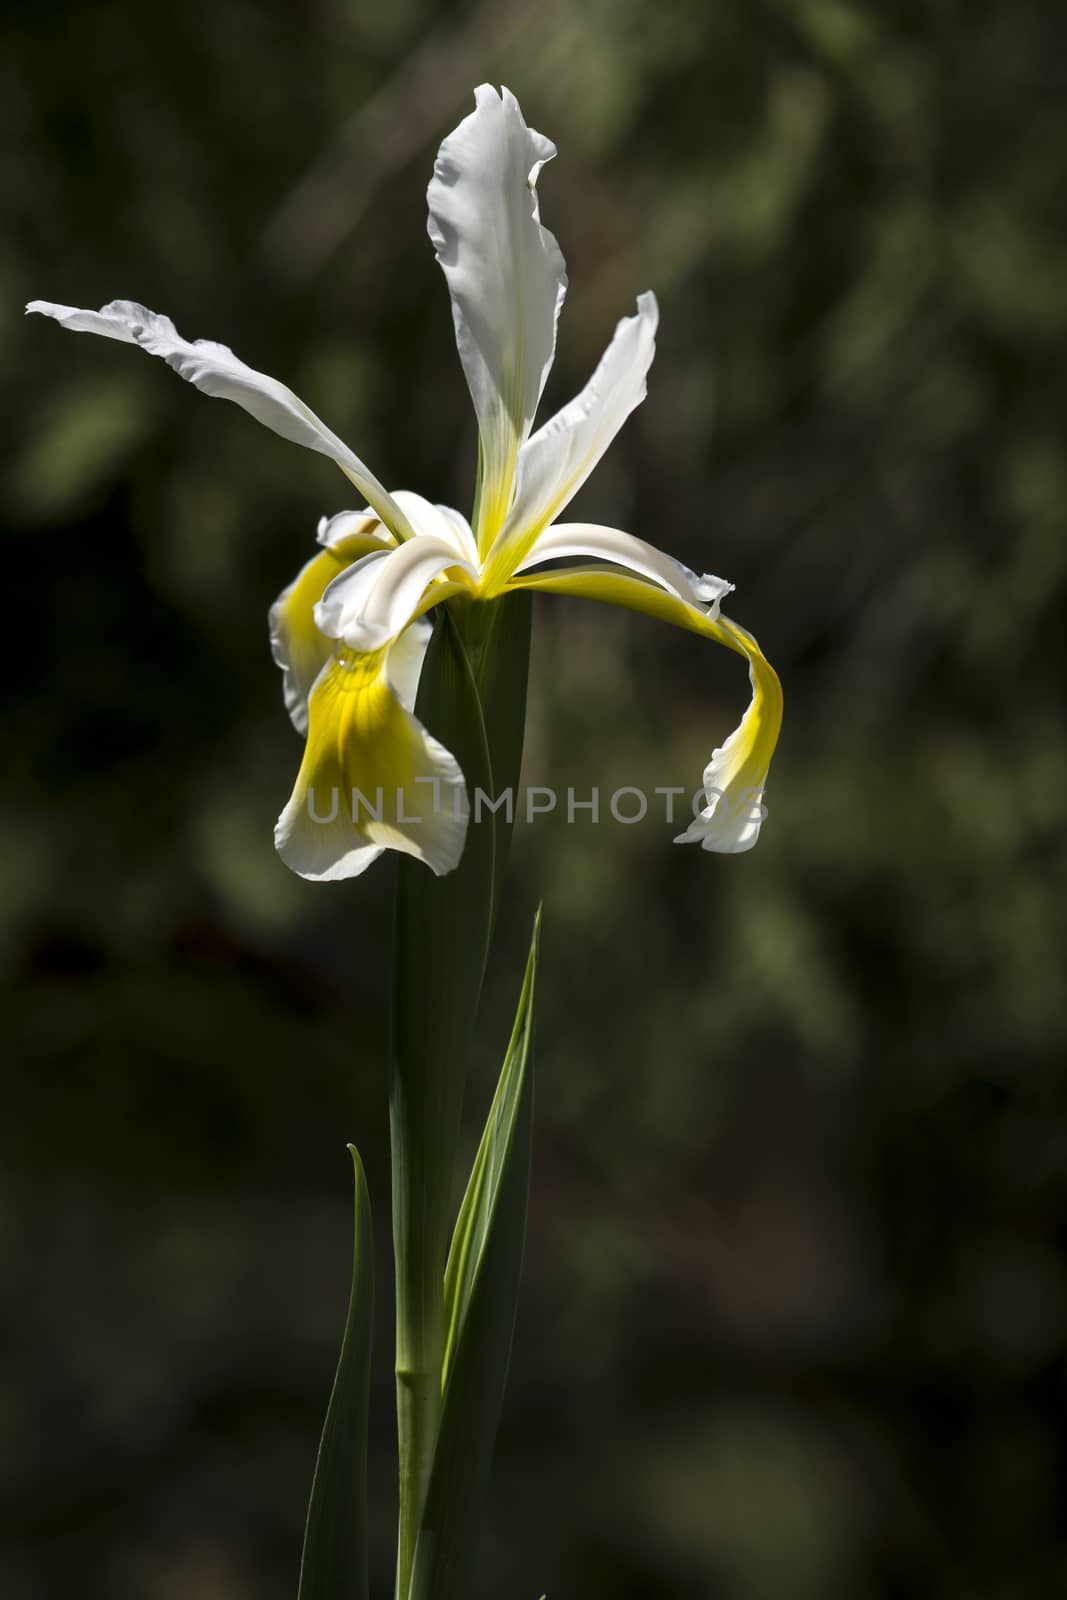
point(481, 1292)
point(476, 1213)
point(334, 1565)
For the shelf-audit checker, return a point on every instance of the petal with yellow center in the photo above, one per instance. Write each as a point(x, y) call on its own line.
point(372, 777)
point(736, 776)
point(374, 599)
point(296, 643)
point(299, 647)
point(593, 540)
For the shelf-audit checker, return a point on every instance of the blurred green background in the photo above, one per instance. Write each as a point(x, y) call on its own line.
point(795, 1299)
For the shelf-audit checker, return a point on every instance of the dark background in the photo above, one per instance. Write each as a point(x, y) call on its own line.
point(795, 1299)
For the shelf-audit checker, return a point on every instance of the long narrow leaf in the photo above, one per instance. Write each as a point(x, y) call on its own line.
point(481, 1289)
point(334, 1565)
point(476, 1212)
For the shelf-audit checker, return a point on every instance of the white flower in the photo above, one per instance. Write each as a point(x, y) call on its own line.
point(349, 632)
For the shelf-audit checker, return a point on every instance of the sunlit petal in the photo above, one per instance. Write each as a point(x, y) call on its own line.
point(405, 660)
point(371, 601)
point(438, 522)
point(553, 465)
point(736, 776)
point(506, 277)
point(218, 372)
point(589, 539)
point(343, 524)
point(296, 643)
point(372, 777)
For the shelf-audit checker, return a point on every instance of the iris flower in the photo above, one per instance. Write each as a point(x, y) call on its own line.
point(351, 631)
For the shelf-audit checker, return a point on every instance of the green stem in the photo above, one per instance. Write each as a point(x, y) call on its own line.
point(472, 697)
point(442, 934)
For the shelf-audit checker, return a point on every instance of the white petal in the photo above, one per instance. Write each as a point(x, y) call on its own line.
point(734, 781)
point(506, 277)
point(218, 372)
point(439, 522)
point(296, 643)
point(442, 522)
point(343, 524)
point(369, 603)
point(624, 550)
point(736, 775)
point(322, 856)
point(372, 777)
point(553, 465)
point(340, 609)
point(460, 532)
point(404, 664)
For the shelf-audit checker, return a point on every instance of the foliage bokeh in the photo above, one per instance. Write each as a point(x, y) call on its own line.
point(794, 1313)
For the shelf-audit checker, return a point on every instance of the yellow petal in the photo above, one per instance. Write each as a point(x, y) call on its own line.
point(372, 778)
point(296, 643)
point(736, 775)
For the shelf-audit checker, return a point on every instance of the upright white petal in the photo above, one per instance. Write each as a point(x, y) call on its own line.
point(506, 277)
point(218, 372)
point(553, 465)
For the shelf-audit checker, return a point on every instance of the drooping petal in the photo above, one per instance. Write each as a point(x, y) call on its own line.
point(299, 647)
point(372, 777)
point(553, 465)
point(295, 642)
point(218, 372)
point(373, 600)
point(589, 539)
point(736, 775)
point(505, 275)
